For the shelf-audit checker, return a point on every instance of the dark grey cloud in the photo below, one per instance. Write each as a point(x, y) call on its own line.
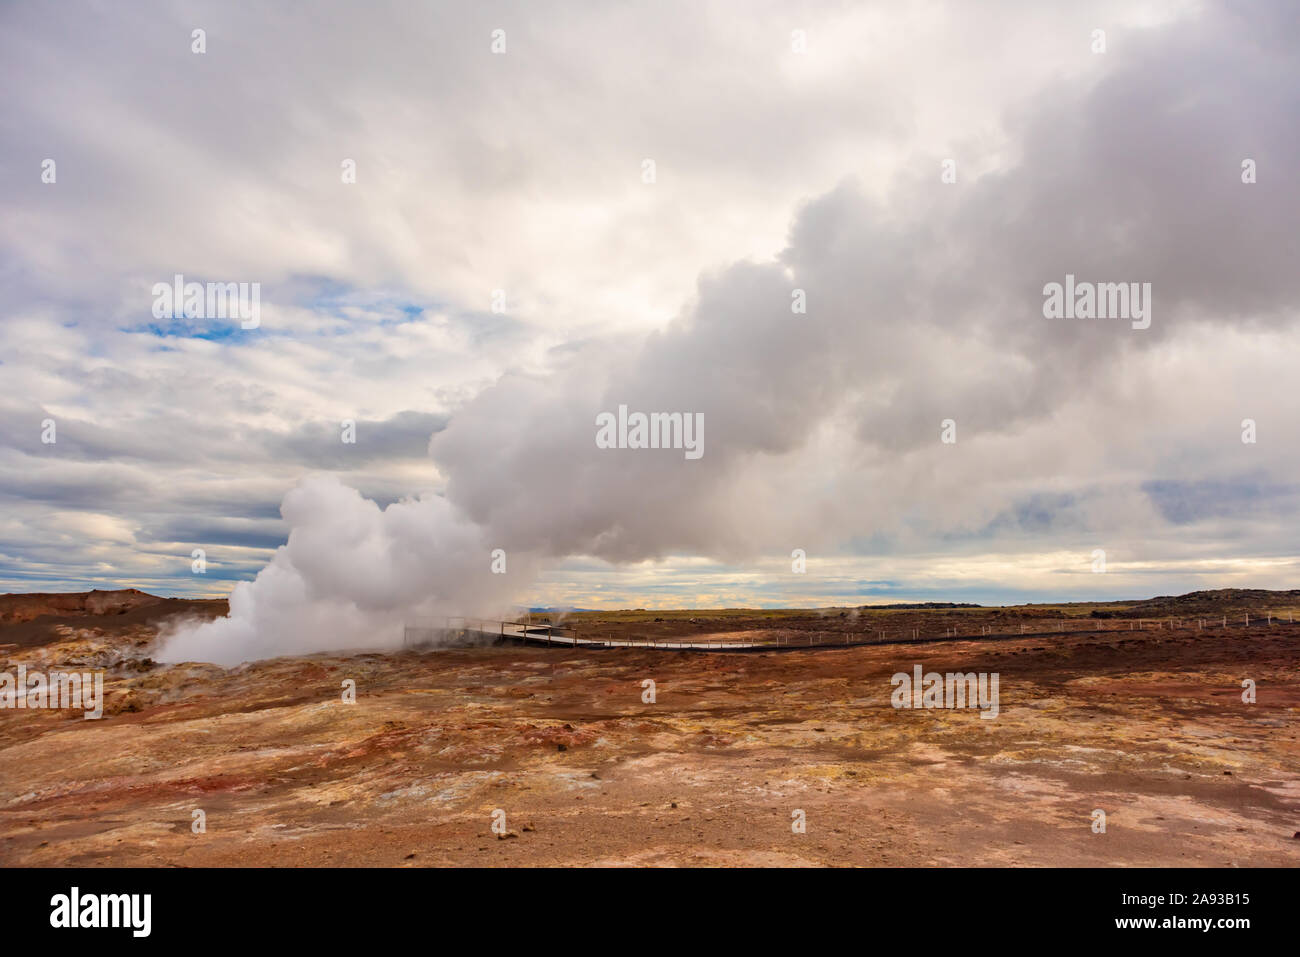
point(204, 532)
point(1186, 502)
point(320, 445)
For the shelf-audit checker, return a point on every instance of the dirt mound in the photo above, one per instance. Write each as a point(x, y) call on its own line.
point(15, 609)
point(34, 620)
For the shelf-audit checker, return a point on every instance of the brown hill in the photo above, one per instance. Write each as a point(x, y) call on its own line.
point(1221, 600)
point(28, 620)
point(18, 608)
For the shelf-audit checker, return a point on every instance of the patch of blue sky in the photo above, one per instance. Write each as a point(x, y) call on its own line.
point(213, 330)
point(326, 296)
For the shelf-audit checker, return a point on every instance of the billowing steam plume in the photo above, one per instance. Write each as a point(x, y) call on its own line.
point(824, 426)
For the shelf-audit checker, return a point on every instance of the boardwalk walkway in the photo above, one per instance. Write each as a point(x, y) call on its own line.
point(431, 632)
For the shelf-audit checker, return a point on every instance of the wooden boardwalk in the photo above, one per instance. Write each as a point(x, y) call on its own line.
point(432, 632)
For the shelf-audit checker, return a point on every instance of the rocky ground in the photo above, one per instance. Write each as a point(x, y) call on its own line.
point(1148, 726)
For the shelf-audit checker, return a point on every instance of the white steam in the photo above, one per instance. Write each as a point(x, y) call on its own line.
point(350, 574)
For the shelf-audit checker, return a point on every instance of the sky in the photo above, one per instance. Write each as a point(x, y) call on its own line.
point(561, 208)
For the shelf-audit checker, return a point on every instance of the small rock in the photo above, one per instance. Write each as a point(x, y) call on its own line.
point(561, 747)
point(409, 856)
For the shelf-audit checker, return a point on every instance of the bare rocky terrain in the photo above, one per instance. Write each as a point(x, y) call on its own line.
point(1146, 724)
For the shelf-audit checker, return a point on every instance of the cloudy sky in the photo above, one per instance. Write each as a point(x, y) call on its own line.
point(919, 170)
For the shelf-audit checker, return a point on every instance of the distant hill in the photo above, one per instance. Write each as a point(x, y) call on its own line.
point(20, 608)
point(923, 605)
point(17, 608)
point(1221, 600)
